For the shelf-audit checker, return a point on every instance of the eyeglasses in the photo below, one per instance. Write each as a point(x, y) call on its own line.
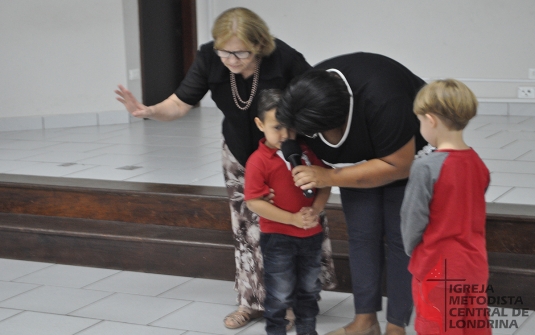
point(237, 54)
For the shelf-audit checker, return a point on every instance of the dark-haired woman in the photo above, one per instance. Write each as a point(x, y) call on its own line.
point(355, 112)
point(243, 59)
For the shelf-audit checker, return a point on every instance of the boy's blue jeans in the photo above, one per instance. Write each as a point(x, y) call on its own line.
point(292, 267)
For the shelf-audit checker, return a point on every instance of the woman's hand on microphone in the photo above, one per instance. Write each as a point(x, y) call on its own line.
point(307, 177)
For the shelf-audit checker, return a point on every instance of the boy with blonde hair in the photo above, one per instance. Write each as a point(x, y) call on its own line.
point(443, 217)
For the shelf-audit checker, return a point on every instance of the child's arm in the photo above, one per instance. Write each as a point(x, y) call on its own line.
point(322, 196)
point(415, 207)
point(311, 214)
point(274, 213)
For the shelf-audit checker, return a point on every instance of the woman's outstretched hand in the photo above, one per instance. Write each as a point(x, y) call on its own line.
point(131, 104)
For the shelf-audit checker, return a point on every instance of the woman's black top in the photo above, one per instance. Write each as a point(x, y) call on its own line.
point(382, 117)
point(209, 73)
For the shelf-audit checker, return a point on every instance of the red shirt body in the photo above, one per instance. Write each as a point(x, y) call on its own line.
point(266, 168)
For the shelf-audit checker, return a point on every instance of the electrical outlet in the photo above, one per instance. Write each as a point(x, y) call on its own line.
point(526, 92)
point(531, 74)
point(134, 74)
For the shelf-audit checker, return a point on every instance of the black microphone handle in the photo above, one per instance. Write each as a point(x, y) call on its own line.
point(308, 193)
point(295, 160)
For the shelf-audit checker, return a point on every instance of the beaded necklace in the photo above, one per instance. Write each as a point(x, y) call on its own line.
point(236, 96)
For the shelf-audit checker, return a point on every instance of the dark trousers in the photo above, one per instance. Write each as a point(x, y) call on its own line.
point(291, 279)
point(373, 220)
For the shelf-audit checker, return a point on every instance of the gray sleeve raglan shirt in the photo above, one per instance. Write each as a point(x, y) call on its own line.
point(418, 195)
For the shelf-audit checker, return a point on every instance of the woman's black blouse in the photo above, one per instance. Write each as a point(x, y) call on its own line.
point(209, 73)
point(383, 120)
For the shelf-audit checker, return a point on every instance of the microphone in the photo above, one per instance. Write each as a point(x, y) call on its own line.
point(292, 153)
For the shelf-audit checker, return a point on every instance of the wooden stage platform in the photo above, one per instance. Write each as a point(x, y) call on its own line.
point(185, 231)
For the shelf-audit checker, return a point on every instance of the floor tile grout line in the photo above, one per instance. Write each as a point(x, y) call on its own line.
point(525, 154)
point(338, 304)
point(508, 144)
point(105, 278)
point(90, 304)
point(88, 328)
point(20, 311)
point(187, 281)
point(22, 260)
point(524, 324)
point(168, 314)
point(20, 294)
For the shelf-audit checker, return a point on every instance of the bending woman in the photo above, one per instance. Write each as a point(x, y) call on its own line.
point(356, 114)
point(242, 59)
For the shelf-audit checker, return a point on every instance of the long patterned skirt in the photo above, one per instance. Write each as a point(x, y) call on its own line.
point(249, 281)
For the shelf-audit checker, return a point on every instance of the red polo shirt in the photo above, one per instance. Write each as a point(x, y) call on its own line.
point(267, 169)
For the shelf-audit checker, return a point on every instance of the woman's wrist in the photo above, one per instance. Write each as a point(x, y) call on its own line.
point(149, 112)
point(317, 211)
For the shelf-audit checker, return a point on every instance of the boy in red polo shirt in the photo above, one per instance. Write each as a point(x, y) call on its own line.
point(291, 236)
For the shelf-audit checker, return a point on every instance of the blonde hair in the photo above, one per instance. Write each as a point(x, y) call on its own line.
point(246, 26)
point(449, 99)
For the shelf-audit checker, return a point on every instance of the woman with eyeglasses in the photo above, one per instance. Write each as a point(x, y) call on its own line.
point(243, 59)
point(355, 112)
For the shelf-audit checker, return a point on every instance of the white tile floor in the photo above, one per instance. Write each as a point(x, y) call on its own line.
point(52, 299)
point(41, 298)
point(187, 151)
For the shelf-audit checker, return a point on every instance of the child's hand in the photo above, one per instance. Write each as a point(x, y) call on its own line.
point(297, 220)
point(309, 218)
point(270, 196)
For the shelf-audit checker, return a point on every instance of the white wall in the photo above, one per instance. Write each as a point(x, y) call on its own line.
point(60, 56)
point(489, 44)
point(132, 46)
point(65, 57)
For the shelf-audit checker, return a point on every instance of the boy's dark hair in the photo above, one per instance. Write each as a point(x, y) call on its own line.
point(314, 102)
point(268, 100)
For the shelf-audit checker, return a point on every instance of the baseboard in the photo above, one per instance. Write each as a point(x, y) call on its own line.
point(511, 107)
point(503, 107)
point(64, 120)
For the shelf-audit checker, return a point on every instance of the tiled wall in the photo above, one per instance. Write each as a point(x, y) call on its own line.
point(64, 120)
point(121, 116)
point(507, 108)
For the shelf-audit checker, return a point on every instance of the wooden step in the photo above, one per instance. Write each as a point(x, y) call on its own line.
point(118, 245)
point(185, 230)
point(510, 228)
point(146, 203)
point(180, 251)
